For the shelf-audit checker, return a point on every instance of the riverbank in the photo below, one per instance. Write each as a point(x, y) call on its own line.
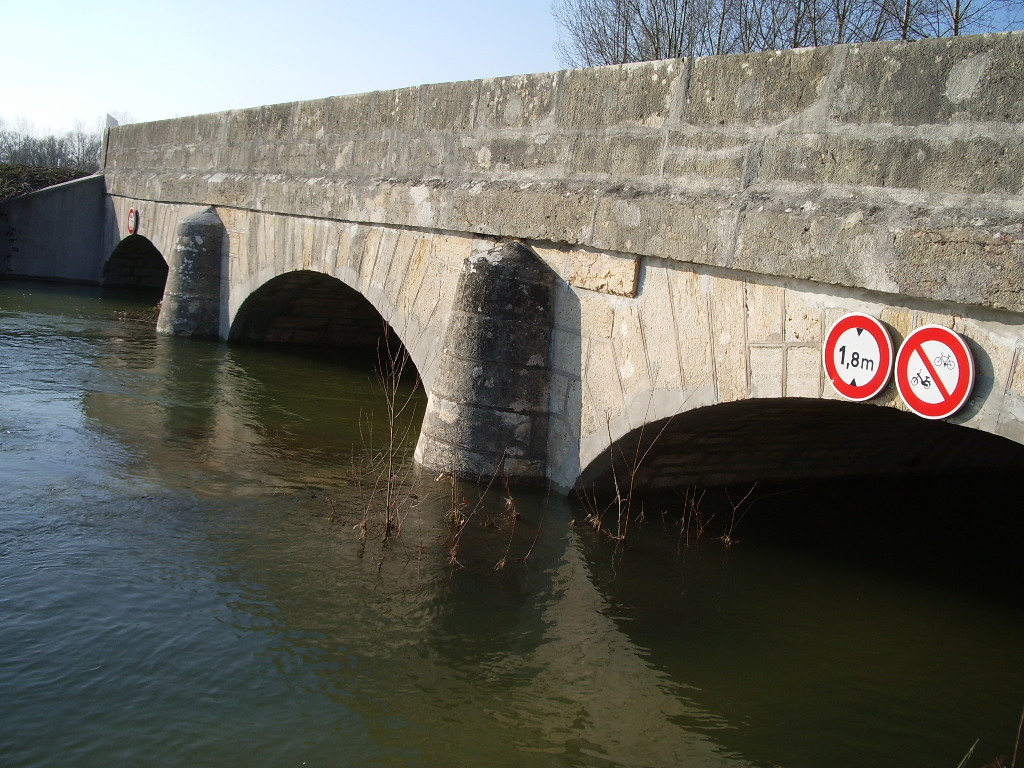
point(18, 180)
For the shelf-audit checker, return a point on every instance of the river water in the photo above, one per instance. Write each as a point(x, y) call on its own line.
point(194, 571)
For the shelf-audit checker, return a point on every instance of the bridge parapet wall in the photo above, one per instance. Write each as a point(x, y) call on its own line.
point(895, 167)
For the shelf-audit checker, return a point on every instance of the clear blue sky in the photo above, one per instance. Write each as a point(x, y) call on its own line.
point(76, 60)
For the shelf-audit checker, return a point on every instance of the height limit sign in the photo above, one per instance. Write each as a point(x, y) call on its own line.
point(858, 356)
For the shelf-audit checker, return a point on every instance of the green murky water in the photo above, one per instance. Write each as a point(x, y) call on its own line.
point(183, 581)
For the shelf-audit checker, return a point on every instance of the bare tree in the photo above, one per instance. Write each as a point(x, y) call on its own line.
point(596, 32)
point(83, 147)
point(78, 149)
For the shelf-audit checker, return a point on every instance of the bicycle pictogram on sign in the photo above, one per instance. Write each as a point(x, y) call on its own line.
point(934, 372)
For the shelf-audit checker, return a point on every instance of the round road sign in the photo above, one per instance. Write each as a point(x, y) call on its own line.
point(858, 356)
point(133, 221)
point(934, 372)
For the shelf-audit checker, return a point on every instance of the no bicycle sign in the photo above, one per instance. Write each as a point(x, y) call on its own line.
point(858, 356)
point(934, 372)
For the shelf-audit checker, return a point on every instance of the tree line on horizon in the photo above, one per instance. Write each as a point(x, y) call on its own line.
point(77, 149)
point(600, 32)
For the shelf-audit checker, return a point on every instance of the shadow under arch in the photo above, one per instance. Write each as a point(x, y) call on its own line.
point(135, 263)
point(311, 309)
point(793, 439)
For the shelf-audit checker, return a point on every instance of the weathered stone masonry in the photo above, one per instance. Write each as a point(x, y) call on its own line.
point(702, 221)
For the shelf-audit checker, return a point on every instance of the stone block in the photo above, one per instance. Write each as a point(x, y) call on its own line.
point(804, 374)
point(661, 338)
point(299, 158)
point(596, 317)
point(974, 263)
point(521, 101)
point(629, 94)
point(556, 257)
point(449, 106)
point(727, 338)
point(493, 384)
point(511, 434)
point(613, 274)
point(399, 109)
point(558, 394)
point(423, 156)
point(994, 356)
point(826, 241)
point(669, 225)
point(941, 80)
point(628, 155)
point(717, 156)
point(362, 156)
point(758, 88)
point(484, 339)
point(693, 323)
point(505, 154)
point(242, 126)
point(604, 394)
point(530, 211)
point(365, 257)
point(765, 313)
point(341, 116)
point(276, 121)
point(899, 320)
point(766, 371)
point(566, 352)
point(631, 351)
point(803, 319)
point(385, 260)
point(937, 162)
point(415, 270)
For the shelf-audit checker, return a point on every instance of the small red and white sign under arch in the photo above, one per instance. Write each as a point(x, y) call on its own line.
point(133, 221)
point(858, 356)
point(934, 372)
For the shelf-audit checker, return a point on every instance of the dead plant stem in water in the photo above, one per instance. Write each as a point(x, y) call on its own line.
point(624, 488)
point(460, 512)
point(381, 476)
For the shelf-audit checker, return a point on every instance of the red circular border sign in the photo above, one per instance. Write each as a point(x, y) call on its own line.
point(944, 370)
point(837, 361)
point(133, 221)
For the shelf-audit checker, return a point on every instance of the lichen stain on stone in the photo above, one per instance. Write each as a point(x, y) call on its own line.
point(965, 77)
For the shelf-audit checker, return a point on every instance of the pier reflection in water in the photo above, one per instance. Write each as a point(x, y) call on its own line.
point(184, 582)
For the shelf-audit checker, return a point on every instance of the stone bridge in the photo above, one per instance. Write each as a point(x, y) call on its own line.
point(637, 263)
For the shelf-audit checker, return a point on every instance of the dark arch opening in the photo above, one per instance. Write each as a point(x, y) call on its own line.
point(310, 310)
point(136, 263)
point(855, 482)
point(795, 439)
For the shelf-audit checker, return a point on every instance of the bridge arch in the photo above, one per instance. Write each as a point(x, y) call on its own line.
point(135, 263)
point(793, 439)
point(310, 308)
